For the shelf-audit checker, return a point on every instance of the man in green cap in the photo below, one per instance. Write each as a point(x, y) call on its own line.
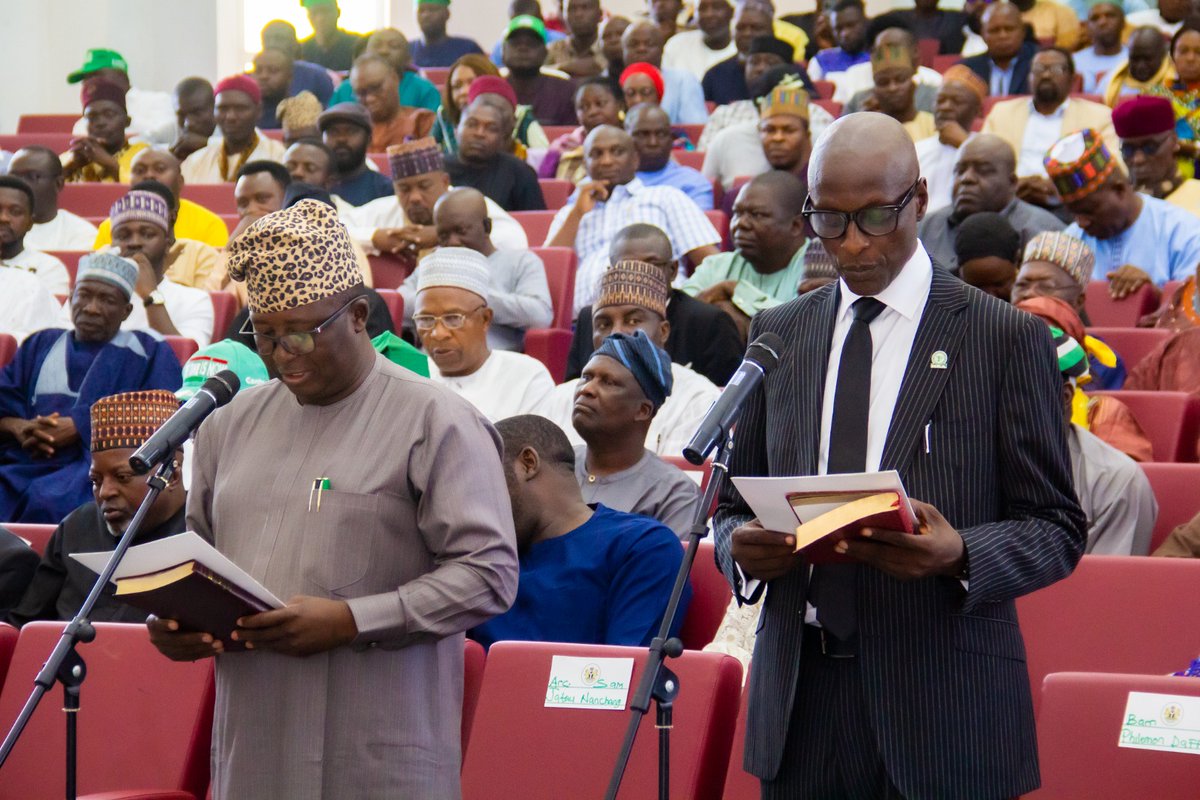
point(329, 46)
point(551, 96)
point(152, 113)
point(436, 48)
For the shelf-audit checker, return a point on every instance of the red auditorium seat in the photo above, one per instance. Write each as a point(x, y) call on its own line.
point(474, 660)
point(273, 133)
point(70, 259)
point(536, 225)
point(554, 131)
point(1168, 291)
point(721, 223)
point(560, 276)
point(520, 748)
point(551, 346)
point(825, 89)
point(710, 599)
point(688, 158)
point(388, 272)
point(436, 75)
point(231, 221)
point(991, 100)
point(693, 132)
point(159, 711)
point(704, 470)
point(216, 197)
point(46, 123)
point(1104, 312)
point(225, 308)
point(1171, 421)
point(928, 49)
point(1175, 488)
point(37, 534)
point(1078, 733)
point(1113, 614)
point(832, 106)
point(91, 199)
point(555, 192)
point(184, 348)
point(8, 643)
point(1131, 344)
point(8, 348)
point(395, 304)
point(58, 142)
point(739, 784)
point(381, 161)
point(943, 63)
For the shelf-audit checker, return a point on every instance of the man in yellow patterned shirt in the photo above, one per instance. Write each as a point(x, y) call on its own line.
point(104, 155)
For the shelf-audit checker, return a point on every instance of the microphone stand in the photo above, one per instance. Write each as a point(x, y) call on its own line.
point(658, 682)
point(64, 664)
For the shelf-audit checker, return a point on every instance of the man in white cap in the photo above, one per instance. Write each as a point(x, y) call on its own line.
point(452, 318)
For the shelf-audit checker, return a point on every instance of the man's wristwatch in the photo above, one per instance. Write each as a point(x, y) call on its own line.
point(155, 298)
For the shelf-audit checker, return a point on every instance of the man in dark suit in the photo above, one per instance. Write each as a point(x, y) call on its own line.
point(1005, 65)
point(900, 674)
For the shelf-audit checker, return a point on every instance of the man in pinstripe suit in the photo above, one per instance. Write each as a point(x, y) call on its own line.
point(903, 675)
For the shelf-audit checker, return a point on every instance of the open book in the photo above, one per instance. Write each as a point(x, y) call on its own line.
point(824, 509)
point(184, 578)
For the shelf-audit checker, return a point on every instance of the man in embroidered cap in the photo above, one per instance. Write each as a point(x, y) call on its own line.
point(374, 502)
point(46, 391)
point(238, 106)
point(104, 154)
point(1146, 126)
point(1137, 239)
point(783, 130)
point(109, 495)
point(142, 231)
point(452, 317)
point(1058, 265)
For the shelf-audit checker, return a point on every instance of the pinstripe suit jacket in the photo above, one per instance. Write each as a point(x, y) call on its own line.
point(943, 669)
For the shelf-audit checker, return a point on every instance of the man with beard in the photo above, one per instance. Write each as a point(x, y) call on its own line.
point(650, 128)
point(958, 104)
point(1146, 126)
point(238, 106)
point(984, 180)
point(16, 218)
point(1148, 66)
point(346, 131)
point(849, 21)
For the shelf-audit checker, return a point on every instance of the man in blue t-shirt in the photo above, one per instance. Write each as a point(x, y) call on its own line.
point(436, 48)
point(589, 575)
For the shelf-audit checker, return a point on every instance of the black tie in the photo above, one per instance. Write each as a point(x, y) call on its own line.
point(834, 584)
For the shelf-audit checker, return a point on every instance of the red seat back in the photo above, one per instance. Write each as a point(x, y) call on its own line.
point(184, 348)
point(144, 720)
point(721, 222)
point(991, 100)
point(1171, 421)
point(692, 130)
point(436, 75)
point(46, 123)
point(688, 158)
point(216, 197)
point(825, 89)
point(395, 304)
point(1131, 344)
point(560, 264)
point(1104, 312)
point(8, 348)
point(555, 131)
point(832, 106)
point(91, 199)
point(37, 534)
point(381, 161)
point(225, 308)
point(388, 272)
point(551, 346)
point(928, 49)
point(70, 260)
point(1113, 614)
point(943, 63)
point(1078, 730)
point(474, 659)
point(555, 192)
point(739, 784)
point(520, 748)
point(1175, 488)
point(536, 225)
point(8, 643)
point(58, 142)
point(710, 599)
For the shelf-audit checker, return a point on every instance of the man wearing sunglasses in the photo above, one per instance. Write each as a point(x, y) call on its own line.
point(899, 673)
point(374, 503)
point(1146, 126)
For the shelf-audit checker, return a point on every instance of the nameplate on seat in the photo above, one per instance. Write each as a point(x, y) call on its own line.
point(1161, 722)
point(595, 683)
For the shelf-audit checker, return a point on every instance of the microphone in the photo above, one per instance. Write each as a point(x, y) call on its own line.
point(761, 357)
point(213, 393)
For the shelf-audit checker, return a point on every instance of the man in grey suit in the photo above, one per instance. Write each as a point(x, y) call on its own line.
point(902, 673)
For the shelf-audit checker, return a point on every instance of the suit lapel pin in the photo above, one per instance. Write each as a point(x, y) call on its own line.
point(939, 360)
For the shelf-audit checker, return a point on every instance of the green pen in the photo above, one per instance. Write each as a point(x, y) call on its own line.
point(323, 485)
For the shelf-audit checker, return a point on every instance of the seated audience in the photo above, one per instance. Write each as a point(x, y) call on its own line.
point(274, 71)
point(783, 131)
point(753, 21)
point(634, 296)
point(1053, 23)
point(761, 82)
point(613, 198)
point(152, 115)
point(1185, 55)
point(958, 104)
point(48, 388)
point(927, 21)
point(849, 21)
point(579, 54)
point(589, 574)
point(53, 228)
point(518, 295)
point(984, 180)
point(346, 130)
point(104, 154)
point(306, 76)
point(701, 336)
point(893, 71)
point(376, 85)
point(1113, 491)
point(435, 47)
point(860, 78)
point(193, 221)
point(1137, 239)
point(238, 106)
point(16, 218)
point(403, 225)
point(452, 318)
point(527, 132)
point(1105, 29)
point(697, 51)
point(615, 400)
point(611, 32)
point(1168, 18)
point(141, 226)
point(1173, 366)
point(310, 162)
point(1146, 126)
point(195, 118)
point(650, 128)
point(18, 562)
point(680, 94)
point(550, 94)
point(414, 91)
point(767, 264)
point(119, 424)
point(1005, 65)
point(1060, 266)
point(598, 101)
point(556, 28)
point(1147, 67)
point(988, 251)
point(483, 161)
point(329, 45)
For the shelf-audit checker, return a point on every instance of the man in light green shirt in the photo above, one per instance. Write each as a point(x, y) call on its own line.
point(767, 265)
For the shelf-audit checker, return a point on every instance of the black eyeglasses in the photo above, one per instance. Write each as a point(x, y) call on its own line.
point(298, 344)
point(1147, 148)
point(873, 221)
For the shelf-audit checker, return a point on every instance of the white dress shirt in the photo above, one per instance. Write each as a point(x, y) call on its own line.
point(190, 310)
point(386, 212)
point(1041, 132)
point(937, 162)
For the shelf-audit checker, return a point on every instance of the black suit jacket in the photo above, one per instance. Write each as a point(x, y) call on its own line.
point(981, 65)
point(18, 561)
point(943, 668)
point(702, 337)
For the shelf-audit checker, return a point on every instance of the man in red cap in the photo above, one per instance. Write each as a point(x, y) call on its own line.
point(1146, 126)
point(238, 107)
point(104, 155)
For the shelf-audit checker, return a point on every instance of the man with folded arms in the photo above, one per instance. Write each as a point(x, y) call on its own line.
point(104, 154)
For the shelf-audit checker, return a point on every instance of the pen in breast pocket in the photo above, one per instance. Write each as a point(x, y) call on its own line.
point(928, 425)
